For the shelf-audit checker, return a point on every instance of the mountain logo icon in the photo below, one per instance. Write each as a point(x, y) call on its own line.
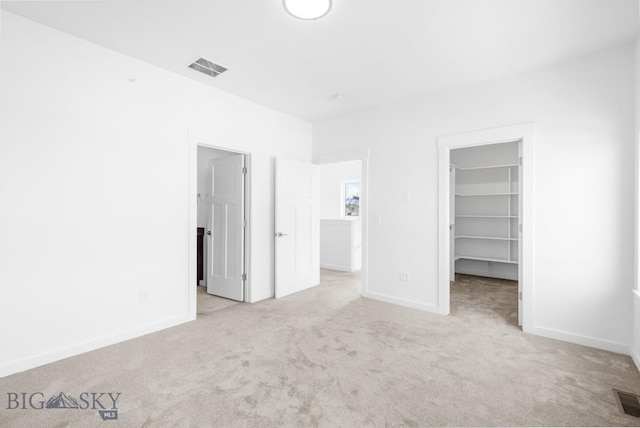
point(62, 401)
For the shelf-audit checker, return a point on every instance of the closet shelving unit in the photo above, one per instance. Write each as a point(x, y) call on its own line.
point(486, 214)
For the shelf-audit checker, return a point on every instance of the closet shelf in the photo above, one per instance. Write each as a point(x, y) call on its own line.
point(485, 259)
point(486, 167)
point(495, 238)
point(486, 194)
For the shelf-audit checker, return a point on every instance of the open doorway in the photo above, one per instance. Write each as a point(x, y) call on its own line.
point(340, 223)
point(522, 205)
point(297, 258)
point(221, 229)
point(485, 201)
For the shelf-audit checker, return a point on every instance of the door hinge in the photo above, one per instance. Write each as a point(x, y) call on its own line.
point(244, 276)
point(519, 295)
point(244, 223)
point(244, 170)
point(520, 228)
point(520, 161)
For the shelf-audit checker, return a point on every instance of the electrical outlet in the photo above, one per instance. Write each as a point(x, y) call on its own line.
point(404, 276)
point(145, 296)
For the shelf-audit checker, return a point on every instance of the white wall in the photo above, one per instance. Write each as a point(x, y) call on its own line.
point(490, 154)
point(635, 345)
point(341, 244)
point(87, 221)
point(583, 198)
point(331, 178)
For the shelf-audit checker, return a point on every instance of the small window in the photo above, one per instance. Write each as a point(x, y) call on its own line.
point(351, 192)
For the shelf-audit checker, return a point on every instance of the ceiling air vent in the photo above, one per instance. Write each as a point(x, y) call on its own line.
point(207, 67)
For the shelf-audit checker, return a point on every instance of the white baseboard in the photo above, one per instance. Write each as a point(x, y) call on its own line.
point(619, 348)
point(606, 345)
point(90, 345)
point(335, 267)
point(402, 302)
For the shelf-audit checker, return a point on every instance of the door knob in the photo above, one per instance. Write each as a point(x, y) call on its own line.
point(209, 232)
point(280, 234)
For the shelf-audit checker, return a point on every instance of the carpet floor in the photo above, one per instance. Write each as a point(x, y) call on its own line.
point(208, 303)
point(327, 357)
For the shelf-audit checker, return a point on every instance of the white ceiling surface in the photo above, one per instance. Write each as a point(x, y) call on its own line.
point(373, 51)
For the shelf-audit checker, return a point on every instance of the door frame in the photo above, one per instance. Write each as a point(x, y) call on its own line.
point(192, 299)
point(349, 156)
point(525, 133)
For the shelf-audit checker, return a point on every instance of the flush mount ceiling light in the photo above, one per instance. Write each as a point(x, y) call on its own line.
point(307, 9)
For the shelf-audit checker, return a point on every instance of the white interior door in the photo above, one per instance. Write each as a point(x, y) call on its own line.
point(225, 228)
point(297, 227)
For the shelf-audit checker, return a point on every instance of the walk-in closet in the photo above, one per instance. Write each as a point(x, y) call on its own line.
point(485, 207)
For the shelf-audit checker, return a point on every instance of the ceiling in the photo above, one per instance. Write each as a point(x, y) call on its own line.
point(371, 51)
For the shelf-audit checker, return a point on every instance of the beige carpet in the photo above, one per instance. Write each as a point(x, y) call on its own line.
point(326, 357)
point(208, 303)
